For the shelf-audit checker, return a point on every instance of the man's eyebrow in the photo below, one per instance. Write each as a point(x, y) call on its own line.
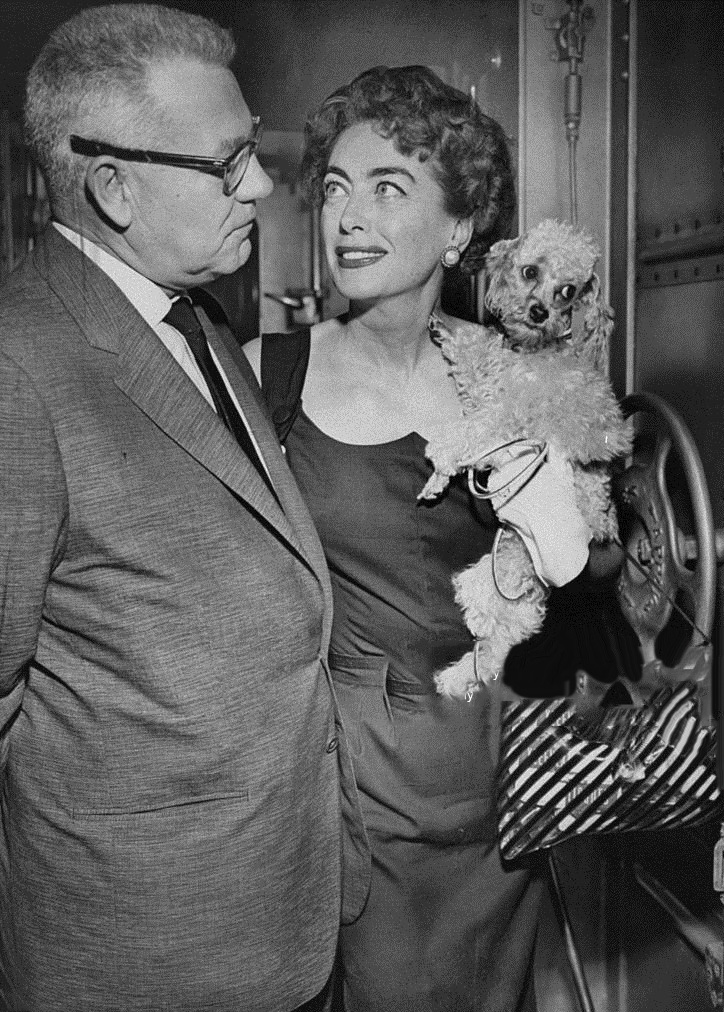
point(232, 145)
point(383, 170)
point(228, 147)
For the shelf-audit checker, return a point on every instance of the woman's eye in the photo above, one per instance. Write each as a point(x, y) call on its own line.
point(567, 292)
point(529, 272)
point(333, 188)
point(388, 189)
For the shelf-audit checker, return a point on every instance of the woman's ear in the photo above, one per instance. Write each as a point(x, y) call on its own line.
point(106, 182)
point(463, 233)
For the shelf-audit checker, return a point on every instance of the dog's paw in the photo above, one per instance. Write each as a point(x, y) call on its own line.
point(458, 680)
point(435, 486)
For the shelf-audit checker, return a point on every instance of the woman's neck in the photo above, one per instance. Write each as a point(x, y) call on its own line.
point(376, 374)
point(392, 332)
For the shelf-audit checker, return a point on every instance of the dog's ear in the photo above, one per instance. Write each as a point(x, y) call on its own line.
point(499, 254)
point(498, 264)
point(597, 324)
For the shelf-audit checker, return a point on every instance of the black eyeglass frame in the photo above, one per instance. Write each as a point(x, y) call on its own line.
point(214, 166)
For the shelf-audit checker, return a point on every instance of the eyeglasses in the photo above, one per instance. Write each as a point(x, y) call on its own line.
point(231, 169)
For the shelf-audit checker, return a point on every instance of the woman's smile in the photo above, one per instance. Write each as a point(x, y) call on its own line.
point(351, 257)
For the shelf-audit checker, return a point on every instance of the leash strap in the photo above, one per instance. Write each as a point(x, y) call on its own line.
point(508, 489)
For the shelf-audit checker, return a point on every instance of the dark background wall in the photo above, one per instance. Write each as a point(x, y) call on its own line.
point(294, 52)
point(680, 218)
point(291, 54)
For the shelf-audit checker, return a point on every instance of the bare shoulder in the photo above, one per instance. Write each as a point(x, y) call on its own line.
point(324, 349)
point(451, 322)
point(252, 350)
point(326, 334)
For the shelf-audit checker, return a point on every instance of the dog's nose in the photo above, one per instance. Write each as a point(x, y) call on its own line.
point(538, 312)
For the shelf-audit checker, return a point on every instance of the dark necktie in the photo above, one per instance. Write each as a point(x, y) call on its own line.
point(183, 318)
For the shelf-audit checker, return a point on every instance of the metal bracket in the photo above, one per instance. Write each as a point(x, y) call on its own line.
point(684, 271)
point(570, 32)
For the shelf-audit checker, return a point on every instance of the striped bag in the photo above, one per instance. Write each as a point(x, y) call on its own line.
point(568, 771)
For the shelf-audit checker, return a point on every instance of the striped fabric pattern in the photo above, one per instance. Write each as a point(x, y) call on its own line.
point(566, 771)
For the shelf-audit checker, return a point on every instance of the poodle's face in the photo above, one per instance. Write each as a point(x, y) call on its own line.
point(535, 282)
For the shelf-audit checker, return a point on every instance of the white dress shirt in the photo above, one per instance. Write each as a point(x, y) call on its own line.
point(153, 304)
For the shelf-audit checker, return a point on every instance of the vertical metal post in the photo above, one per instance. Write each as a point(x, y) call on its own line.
point(315, 259)
point(718, 691)
point(631, 197)
point(574, 960)
point(7, 257)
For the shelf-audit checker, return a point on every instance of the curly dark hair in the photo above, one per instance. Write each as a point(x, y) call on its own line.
point(423, 115)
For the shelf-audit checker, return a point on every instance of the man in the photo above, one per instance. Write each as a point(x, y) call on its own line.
point(171, 752)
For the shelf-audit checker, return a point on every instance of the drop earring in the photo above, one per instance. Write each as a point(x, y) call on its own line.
point(450, 256)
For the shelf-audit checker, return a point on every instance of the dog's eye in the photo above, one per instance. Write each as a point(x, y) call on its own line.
point(567, 292)
point(529, 272)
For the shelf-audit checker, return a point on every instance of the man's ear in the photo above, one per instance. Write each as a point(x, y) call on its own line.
point(107, 184)
point(463, 233)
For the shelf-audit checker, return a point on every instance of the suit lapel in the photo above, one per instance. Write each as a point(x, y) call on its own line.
point(243, 381)
point(149, 375)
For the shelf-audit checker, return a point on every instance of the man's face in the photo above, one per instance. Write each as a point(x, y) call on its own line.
point(184, 230)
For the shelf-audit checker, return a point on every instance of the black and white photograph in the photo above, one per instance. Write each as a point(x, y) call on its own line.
point(362, 506)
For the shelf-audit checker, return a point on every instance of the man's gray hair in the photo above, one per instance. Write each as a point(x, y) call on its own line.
point(94, 67)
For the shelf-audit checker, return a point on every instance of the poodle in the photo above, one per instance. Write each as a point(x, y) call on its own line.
point(527, 381)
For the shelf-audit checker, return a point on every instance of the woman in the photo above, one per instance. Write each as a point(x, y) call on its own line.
point(412, 177)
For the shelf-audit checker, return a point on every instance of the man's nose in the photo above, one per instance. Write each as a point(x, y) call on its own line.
point(256, 184)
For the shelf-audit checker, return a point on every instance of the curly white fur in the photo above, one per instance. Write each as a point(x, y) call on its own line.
point(528, 377)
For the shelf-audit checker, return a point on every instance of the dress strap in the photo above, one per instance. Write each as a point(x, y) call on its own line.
point(284, 361)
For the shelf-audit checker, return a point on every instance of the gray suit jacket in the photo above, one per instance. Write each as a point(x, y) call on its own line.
point(169, 736)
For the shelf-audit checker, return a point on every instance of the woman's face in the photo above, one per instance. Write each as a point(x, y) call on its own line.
point(384, 223)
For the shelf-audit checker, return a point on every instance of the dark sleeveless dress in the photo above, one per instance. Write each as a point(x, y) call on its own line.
point(445, 926)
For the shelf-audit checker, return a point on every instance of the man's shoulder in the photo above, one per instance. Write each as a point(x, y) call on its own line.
point(21, 293)
point(23, 279)
point(31, 314)
point(40, 277)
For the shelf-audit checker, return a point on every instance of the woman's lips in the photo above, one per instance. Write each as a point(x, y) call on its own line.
point(350, 257)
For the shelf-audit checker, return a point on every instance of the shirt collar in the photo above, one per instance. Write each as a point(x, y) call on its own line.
point(151, 301)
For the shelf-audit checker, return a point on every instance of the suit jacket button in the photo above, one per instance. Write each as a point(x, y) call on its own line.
point(332, 745)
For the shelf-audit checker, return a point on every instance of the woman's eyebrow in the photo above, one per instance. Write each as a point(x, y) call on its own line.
point(383, 170)
point(391, 170)
point(337, 172)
